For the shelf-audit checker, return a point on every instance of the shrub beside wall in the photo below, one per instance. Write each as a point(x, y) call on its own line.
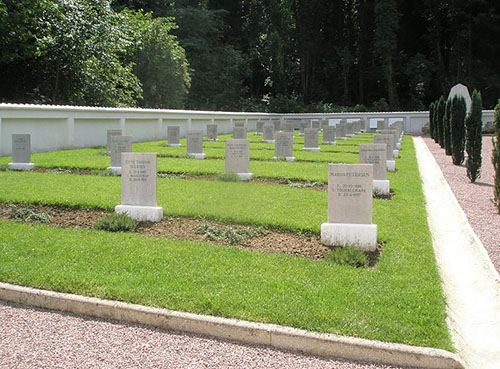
point(496, 158)
point(457, 129)
point(474, 139)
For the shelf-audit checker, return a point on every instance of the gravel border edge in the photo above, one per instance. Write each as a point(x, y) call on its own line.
point(279, 337)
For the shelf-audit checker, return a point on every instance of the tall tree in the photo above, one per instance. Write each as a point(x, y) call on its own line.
point(457, 129)
point(386, 43)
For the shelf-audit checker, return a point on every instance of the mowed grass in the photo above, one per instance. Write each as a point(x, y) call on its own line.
point(400, 300)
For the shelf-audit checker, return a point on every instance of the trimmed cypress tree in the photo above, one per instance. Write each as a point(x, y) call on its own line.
point(474, 138)
point(431, 120)
point(495, 158)
point(440, 109)
point(457, 129)
point(446, 138)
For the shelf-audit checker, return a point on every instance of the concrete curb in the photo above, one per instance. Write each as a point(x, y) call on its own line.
point(284, 338)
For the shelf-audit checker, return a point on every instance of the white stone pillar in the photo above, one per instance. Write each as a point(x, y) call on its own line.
point(122, 125)
point(70, 132)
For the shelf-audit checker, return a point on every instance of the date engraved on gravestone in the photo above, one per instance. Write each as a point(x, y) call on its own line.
point(119, 144)
point(374, 154)
point(21, 148)
point(350, 189)
point(173, 135)
point(139, 179)
point(237, 155)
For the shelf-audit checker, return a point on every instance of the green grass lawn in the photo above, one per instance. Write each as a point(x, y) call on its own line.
point(400, 300)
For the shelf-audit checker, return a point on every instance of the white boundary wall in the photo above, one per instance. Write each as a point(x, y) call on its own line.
point(62, 127)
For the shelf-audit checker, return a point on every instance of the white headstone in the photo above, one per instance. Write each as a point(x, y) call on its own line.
point(119, 145)
point(461, 90)
point(239, 132)
point(329, 135)
point(21, 152)
point(109, 133)
point(283, 148)
point(194, 145)
point(212, 132)
point(237, 158)
point(311, 139)
point(268, 133)
point(173, 135)
point(139, 187)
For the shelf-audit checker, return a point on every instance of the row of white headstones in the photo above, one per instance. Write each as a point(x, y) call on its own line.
point(350, 186)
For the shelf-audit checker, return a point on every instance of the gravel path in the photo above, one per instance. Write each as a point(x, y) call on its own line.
point(474, 198)
point(36, 338)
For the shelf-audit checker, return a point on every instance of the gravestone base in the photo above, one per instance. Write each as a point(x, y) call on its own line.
point(391, 165)
point(141, 213)
point(329, 143)
point(117, 170)
point(198, 155)
point(350, 135)
point(398, 146)
point(174, 145)
point(395, 154)
point(381, 186)
point(360, 236)
point(342, 138)
point(287, 158)
point(257, 134)
point(212, 140)
point(20, 166)
point(315, 149)
point(244, 176)
point(269, 141)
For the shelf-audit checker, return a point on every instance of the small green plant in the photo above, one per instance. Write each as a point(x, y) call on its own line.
point(349, 255)
point(228, 234)
point(59, 171)
point(302, 184)
point(228, 177)
point(29, 216)
point(103, 173)
point(116, 223)
point(103, 153)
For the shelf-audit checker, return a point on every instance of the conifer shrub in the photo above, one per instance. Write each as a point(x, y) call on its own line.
point(474, 139)
point(495, 158)
point(440, 110)
point(457, 129)
point(431, 120)
point(446, 128)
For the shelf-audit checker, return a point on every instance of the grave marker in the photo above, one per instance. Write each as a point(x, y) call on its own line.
point(393, 133)
point(109, 133)
point(283, 148)
point(303, 125)
point(194, 144)
point(387, 139)
point(376, 154)
point(350, 188)
point(311, 139)
point(260, 128)
point(174, 136)
point(212, 132)
point(239, 132)
point(139, 187)
point(316, 124)
point(21, 152)
point(238, 157)
point(268, 134)
point(289, 127)
point(119, 145)
point(329, 135)
point(340, 131)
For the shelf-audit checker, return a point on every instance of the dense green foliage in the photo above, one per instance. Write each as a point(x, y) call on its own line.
point(495, 158)
point(432, 120)
point(348, 256)
point(474, 138)
point(457, 129)
point(69, 52)
point(446, 128)
point(440, 118)
point(280, 56)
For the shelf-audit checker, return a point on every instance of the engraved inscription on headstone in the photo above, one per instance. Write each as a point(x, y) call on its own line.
point(239, 124)
point(119, 145)
point(315, 124)
point(329, 134)
point(374, 154)
point(111, 132)
point(310, 138)
point(194, 141)
point(387, 139)
point(212, 132)
point(284, 145)
point(21, 148)
point(139, 179)
point(239, 132)
point(237, 156)
point(173, 135)
point(259, 128)
point(276, 123)
point(350, 189)
point(303, 125)
point(268, 133)
point(289, 126)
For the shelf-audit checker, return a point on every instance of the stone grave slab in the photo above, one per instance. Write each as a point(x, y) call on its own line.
point(283, 149)
point(194, 144)
point(109, 133)
point(119, 145)
point(329, 133)
point(212, 132)
point(174, 136)
point(21, 152)
point(311, 139)
point(239, 132)
point(268, 133)
point(238, 157)
point(376, 154)
point(387, 139)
